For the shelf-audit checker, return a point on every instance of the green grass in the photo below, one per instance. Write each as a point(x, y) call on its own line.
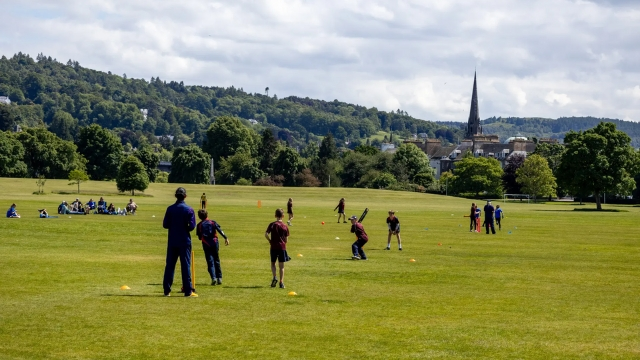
point(554, 283)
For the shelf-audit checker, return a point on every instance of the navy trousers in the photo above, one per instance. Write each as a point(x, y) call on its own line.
point(487, 223)
point(211, 254)
point(357, 248)
point(173, 253)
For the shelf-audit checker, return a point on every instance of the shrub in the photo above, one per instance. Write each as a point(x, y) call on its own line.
point(243, 182)
point(270, 181)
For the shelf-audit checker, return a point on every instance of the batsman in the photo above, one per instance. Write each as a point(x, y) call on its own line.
point(361, 236)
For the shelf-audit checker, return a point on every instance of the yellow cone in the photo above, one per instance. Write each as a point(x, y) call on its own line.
point(292, 293)
point(300, 255)
point(125, 287)
point(412, 260)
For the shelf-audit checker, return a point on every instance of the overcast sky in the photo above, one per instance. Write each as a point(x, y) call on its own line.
point(547, 58)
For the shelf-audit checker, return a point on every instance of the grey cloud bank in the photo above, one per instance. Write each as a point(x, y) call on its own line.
point(544, 58)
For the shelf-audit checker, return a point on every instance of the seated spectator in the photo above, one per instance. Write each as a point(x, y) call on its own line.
point(64, 209)
point(45, 215)
point(91, 204)
point(102, 206)
point(111, 210)
point(131, 207)
point(11, 213)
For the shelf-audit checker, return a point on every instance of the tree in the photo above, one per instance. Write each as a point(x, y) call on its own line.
point(514, 162)
point(64, 125)
point(268, 150)
point(150, 160)
point(328, 150)
point(226, 136)
point(48, 155)
point(239, 165)
point(132, 176)
point(189, 165)
point(477, 175)
point(596, 160)
point(306, 179)
point(287, 164)
point(76, 177)
point(355, 166)
point(11, 155)
point(7, 120)
point(367, 149)
point(424, 179)
point(553, 154)
point(412, 159)
point(103, 151)
point(536, 178)
point(383, 180)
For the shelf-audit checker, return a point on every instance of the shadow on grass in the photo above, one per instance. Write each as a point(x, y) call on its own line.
point(603, 210)
point(246, 287)
point(134, 295)
point(556, 210)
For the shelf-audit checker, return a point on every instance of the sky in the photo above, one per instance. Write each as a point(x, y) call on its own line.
point(543, 58)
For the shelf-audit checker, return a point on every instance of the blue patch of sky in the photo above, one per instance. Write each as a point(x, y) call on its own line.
point(43, 13)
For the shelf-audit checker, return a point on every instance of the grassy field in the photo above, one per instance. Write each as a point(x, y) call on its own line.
point(554, 283)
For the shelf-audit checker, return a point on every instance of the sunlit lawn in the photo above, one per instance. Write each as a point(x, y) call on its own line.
point(554, 283)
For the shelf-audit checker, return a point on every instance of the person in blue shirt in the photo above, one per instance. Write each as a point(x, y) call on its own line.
point(488, 217)
point(11, 213)
point(478, 215)
point(91, 204)
point(499, 216)
point(180, 220)
point(207, 231)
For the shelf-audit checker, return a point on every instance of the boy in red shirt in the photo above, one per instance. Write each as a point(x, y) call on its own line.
point(362, 238)
point(279, 237)
point(207, 231)
point(340, 208)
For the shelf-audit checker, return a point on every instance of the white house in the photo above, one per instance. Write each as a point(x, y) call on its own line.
point(144, 112)
point(5, 100)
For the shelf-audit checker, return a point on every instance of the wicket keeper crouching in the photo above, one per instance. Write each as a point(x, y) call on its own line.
point(362, 238)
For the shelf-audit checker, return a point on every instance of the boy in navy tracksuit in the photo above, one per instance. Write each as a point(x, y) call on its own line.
point(206, 231)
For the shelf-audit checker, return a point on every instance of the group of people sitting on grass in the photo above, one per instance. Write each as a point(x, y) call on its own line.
point(100, 207)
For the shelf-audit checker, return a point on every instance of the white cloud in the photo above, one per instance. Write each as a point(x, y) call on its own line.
point(553, 98)
point(417, 55)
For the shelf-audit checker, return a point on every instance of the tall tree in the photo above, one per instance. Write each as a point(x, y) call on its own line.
point(240, 165)
point(132, 176)
point(64, 125)
point(226, 136)
point(514, 162)
point(597, 160)
point(328, 148)
point(355, 166)
point(7, 120)
point(103, 151)
point(11, 155)
point(189, 165)
point(48, 155)
point(412, 159)
point(287, 164)
point(268, 150)
point(477, 175)
point(536, 178)
point(150, 160)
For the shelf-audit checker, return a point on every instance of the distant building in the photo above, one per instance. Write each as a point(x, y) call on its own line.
point(5, 100)
point(17, 128)
point(164, 137)
point(443, 158)
point(388, 147)
point(144, 112)
point(253, 121)
point(164, 166)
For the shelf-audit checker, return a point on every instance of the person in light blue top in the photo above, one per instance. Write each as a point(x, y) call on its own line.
point(499, 216)
point(12, 213)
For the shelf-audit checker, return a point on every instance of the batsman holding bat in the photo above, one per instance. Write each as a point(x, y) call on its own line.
point(393, 223)
point(361, 236)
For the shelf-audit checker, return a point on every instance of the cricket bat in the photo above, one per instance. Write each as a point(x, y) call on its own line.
point(364, 214)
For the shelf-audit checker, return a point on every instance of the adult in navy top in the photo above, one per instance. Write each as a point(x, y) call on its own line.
point(180, 220)
point(488, 217)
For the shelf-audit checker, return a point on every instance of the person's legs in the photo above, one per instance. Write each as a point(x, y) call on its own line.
point(389, 240)
point(216, 262)
point(209, 257)
point(185, 269)
point(472, 225)
point(169, 269)
point(355, 250)
point(486, 225)
point(493, 229)
point(499, 225)
point(281, 266)
point(361, 243)
point(399, 241)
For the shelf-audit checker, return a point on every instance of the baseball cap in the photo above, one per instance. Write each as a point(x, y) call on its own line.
point(181, 191)
point(353, 217)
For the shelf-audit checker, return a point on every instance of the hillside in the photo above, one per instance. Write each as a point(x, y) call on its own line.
point(549, 128)
point(43, 87)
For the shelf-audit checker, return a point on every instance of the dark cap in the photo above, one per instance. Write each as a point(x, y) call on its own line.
point(353, 217)
point(181, 192)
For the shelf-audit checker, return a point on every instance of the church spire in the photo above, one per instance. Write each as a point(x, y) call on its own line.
point(473, 125)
